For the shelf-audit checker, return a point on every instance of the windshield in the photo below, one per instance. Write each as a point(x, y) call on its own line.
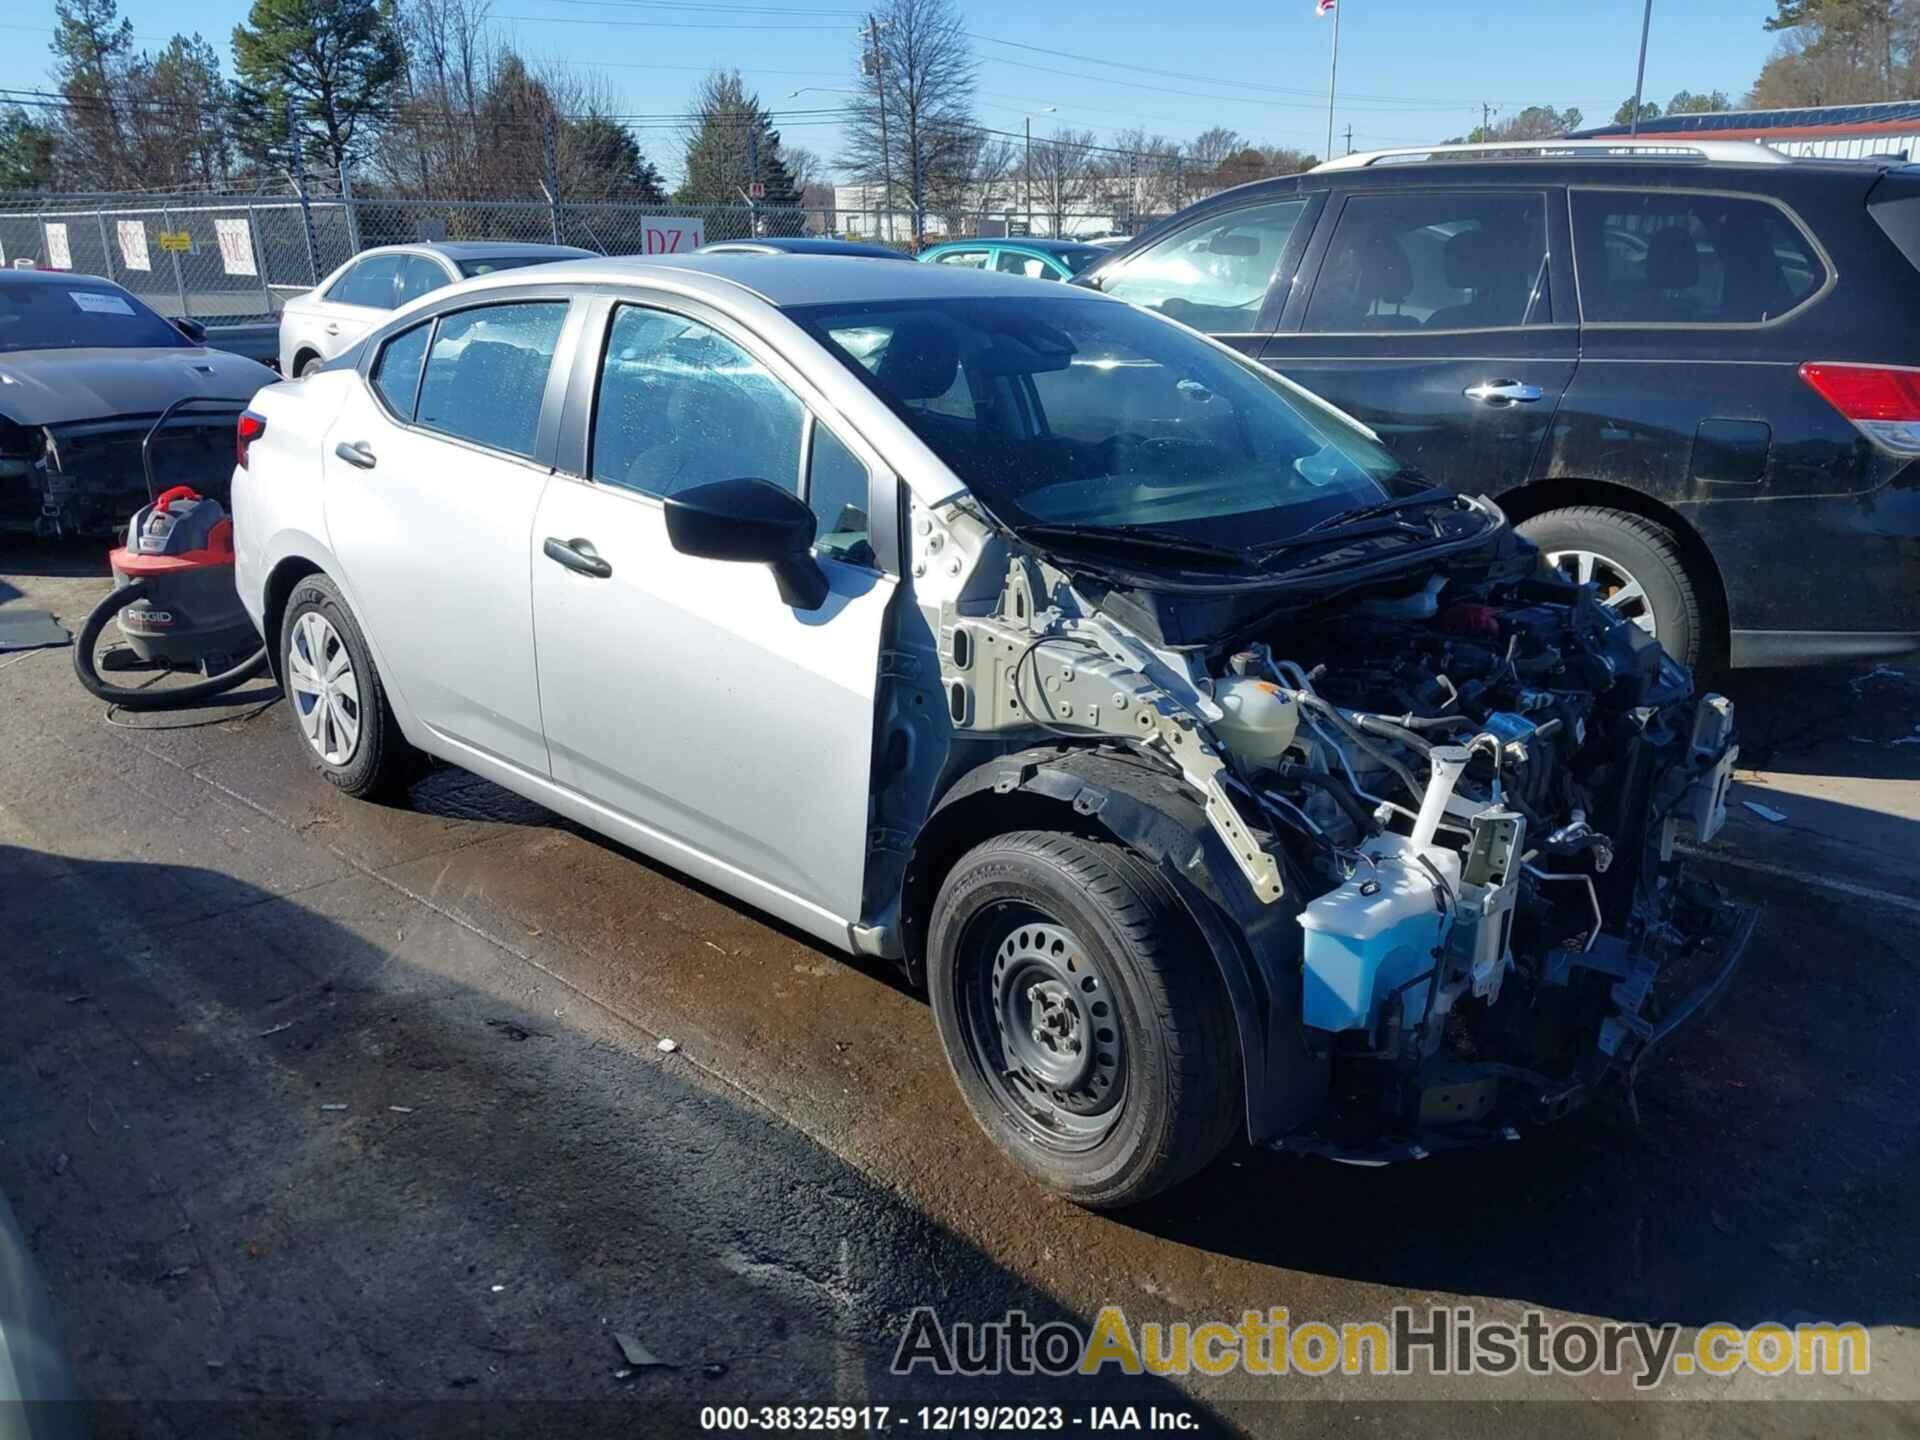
point(471, 268)
point(1077, 412)
point(79, 315)
point(1078, 260)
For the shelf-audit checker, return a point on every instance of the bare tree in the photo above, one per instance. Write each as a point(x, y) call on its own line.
point(910, 127)
point(1064, 176)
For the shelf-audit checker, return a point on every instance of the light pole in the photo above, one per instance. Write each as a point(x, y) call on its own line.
point(1640, 79)
point(1027, 164)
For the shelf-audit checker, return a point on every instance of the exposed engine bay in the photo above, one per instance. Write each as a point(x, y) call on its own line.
point(1459, 786)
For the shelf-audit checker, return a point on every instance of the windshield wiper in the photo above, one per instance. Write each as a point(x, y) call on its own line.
point(1421, 500)
point(1134, 537)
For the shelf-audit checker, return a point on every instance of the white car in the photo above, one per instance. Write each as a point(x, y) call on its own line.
point(1214, 774)
point(318, 324)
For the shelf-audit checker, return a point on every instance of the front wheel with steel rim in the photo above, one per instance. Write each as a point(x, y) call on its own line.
point(335, 696)
point(1085, 1021)
point(1636, 567)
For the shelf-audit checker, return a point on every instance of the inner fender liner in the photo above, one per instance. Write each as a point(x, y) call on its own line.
point(1153, 812)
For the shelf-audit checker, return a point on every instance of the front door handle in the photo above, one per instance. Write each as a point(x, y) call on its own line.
point(356, 454)
point(333, 327)
point(1503, 392)
point(577, 555)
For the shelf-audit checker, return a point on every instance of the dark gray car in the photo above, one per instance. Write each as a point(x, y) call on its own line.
point(86, 372)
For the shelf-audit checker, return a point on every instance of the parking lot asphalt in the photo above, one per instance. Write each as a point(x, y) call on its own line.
point(360, 1110)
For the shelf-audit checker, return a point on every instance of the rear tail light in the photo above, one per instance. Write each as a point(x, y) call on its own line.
point(1883, 401)
point(249, 429)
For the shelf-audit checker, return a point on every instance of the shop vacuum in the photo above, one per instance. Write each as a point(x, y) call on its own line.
point(174, 592)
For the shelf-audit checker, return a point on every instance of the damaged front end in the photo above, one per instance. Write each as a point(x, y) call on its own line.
point(84, 477)
point(1437, 807)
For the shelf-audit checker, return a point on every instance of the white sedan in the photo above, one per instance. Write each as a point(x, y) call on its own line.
point(318, 324)
point(1215, 775)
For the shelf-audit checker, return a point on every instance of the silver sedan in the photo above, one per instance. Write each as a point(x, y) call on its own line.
point(1143, 707)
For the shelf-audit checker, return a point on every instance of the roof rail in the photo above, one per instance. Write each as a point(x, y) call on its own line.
point(1742, 152)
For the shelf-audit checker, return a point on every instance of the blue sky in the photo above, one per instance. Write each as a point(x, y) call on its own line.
point(1410, 70)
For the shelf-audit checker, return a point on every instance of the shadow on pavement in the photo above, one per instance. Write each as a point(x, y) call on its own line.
point(322, 1161)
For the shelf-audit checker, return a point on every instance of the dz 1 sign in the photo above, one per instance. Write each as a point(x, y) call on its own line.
point(674, 236)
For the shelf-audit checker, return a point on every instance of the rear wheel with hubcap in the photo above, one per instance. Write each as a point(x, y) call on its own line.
point(1084, 1020)
point(1635, 566)
point(334, 692)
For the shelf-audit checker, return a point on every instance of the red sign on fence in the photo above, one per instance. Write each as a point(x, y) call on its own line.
point(674, 236)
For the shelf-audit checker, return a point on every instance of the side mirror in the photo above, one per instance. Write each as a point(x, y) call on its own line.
point(756, 522)
point(192, 329)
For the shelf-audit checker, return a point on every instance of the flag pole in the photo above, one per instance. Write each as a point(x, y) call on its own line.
point(1333, 72)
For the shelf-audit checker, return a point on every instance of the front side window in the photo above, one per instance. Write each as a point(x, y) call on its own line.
point(837, 494)
point(681, 405)
point(1073, 412)
point(1435, 261)
point(1681, 259)
point(1213, 276)
point(1012, 262)
point(396, 374)
point(79, 314)
point(486, 374)
point(372, 283)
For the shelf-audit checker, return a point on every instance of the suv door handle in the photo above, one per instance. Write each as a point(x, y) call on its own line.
point(333, 327)
point(356, 454)
point(1503, 392)
point(577, 555)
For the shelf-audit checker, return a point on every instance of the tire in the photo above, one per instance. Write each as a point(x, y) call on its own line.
point(1611, 544)
point(306, 365)
point(1038, 940)
point(356, 744)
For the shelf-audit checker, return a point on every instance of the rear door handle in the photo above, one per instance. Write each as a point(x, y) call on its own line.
point(577, 555)
point(356, 454)
point(1503, 392)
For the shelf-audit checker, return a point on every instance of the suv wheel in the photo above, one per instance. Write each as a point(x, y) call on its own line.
point(1086, 1026)
point(1636, 566)
point(335, 696)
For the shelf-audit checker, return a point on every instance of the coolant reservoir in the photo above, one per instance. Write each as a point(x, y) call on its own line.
point(1260, 722)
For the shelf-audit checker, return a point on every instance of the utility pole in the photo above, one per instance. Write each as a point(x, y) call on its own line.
point(1349, 139)
point(1486, 121)
point(1640, 79)
point(878, 67)
point(1333, 74)
point(1029, 170)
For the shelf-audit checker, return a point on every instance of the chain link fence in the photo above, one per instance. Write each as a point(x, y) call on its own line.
point(232, 260)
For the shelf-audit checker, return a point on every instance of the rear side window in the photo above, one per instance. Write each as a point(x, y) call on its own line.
point(418, 276)
point(1689, 259)
point(680, 405)
point(486, 375)
point(371, 283)
point(1012, 262)
point(965, 259)
point(1215, 275)
point(396, 374)
point(1435, 260)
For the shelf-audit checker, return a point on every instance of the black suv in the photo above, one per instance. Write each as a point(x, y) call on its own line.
point(1684, 370)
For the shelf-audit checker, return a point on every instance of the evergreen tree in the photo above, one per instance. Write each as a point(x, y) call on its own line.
point(730, 143)
point(335, 61)
point(26, 152)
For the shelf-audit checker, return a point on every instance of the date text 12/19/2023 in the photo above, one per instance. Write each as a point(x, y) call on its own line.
point(946, 1419)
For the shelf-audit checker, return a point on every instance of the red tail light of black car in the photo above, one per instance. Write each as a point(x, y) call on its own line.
point(1883, 401)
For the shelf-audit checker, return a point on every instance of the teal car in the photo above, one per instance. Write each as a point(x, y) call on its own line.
point(1040, 259)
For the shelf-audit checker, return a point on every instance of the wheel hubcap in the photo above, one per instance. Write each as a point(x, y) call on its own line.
point(324, 690)
point(1048, 1032)
point(1619, 591)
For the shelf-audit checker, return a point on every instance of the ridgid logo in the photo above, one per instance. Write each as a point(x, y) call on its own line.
point(1438, 1341)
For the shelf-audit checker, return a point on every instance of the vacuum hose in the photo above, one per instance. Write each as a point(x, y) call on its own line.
point(173, 697)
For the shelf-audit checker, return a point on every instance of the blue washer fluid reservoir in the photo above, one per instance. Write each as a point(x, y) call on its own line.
point(1361, 946)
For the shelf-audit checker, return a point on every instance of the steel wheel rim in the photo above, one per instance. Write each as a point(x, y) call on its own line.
point(1619, 589)
point(1044, 1027)
point(324, 689)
